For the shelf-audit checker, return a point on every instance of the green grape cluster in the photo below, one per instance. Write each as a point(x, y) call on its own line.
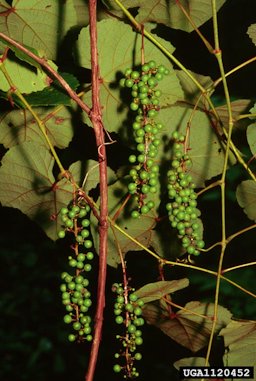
point(75, 294)
point(146, 103)
point(128, 313)
point(182, 207)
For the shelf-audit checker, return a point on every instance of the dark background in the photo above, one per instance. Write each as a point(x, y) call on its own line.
point(33, 344)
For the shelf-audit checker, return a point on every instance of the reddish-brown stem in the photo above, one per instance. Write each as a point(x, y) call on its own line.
point(54, 74)
point(96, 119)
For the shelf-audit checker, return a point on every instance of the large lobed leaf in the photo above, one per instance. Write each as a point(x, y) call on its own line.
point(190, 327)
point(252, 33)
point(141, 228)
point(23, 77)
point(156, 290)
point(39, 24)
point(169, 13)
point(206, 151)
point(18, 126)
point(240, 340)
point(119, 47)
point(27, 183)
point(246, 197)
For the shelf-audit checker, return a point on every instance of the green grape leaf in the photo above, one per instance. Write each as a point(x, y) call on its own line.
point(205, 149)
point(169, 12)
point(240, 340)
point(251, 31)
point(82, 12)
point(190, 327)
point(140, 228)
point(246, 198)
point(155, 291)
point(39, 22)
point(25, 78)
point(123, 47)
point(18, 126)
point(189, 361)
point(251, 137)
point(191, 91)
point(27, 183)
point(238, 107)
point(53, 95)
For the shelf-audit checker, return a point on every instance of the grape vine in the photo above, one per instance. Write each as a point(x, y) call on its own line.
point(143, 86)
point(76, 296)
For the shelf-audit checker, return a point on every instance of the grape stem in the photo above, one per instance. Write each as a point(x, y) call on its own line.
point(96, 118)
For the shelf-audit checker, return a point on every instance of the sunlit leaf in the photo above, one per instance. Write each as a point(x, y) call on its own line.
point(240, 339)
point(251, 137)
point(205, 149)
point(54, 94)
point(155, 291)
point(251, 31)
point(189, 362)
point(39, 24)
point(24, 77)
point(246, 197)
point(27, 183)
point(191, 91)
point(123, 49)
point(238, 107)
point(140, 229)
point(190, 327)
point(18, 126)
point(170, 13)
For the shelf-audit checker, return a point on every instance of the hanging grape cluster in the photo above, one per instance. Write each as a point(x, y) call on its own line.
point(128, 311)
point(75, 294)
point(144, 175)
point(182, 207)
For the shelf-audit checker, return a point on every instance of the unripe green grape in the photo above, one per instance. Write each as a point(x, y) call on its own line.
point(138, 341)
point(119, 319)
point(69, 223)
point(76, 325)
point(117, 368)
point(72, 263)
point(87, 244)
point(87, 303)
point(64, 211)
point(72, 214)
point(152, 113)
point(89, 256)
point(79, 239)
point(85, 233)
point(71, 338)
point(131, 328)
point(87, 267)
point(128, 72)
point(79, 265)
point(79, 279)
point(138, 356)
point(145, 189)
point(152, 64)
point(137, 311)
point(150, 204)
point(67, 319)
point(135, 74)
point(89, 338)
point(129, 83)
point(145, 67)
point(135, 214)
point(61, 234)
point(132, 158)
point(144, 209)
point(134, 106)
